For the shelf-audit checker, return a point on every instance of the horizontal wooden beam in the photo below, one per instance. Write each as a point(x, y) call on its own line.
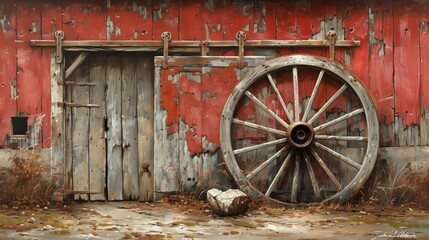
point(70, 83)
point(155, 45)
point(78, 105)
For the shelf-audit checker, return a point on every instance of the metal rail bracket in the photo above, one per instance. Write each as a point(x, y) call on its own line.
point(59, 37)
point(332, 36)
point(166, 38)
point(241, 38)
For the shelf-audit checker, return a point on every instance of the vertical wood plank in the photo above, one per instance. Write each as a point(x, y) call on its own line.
point(28, 71)
point(166, 126)
point(286, 20)
point(236, 16)
point(380, 24)
point(68, 127)
point(129, 126)
point(129, 20)
point(8, 83)
point(114, 126)
point(145, 126)
point(97, 144)
point(57, 123)
point(165, 18)
point(84, 20)
point(407, 71)
point(190, 113)
point(80, 131)
point(424, 80)
point(51, 21)
point(206, 19)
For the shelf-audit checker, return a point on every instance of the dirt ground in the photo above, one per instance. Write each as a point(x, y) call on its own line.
point(181, 218)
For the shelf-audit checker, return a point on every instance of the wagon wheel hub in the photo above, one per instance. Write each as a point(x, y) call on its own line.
point(300, 135)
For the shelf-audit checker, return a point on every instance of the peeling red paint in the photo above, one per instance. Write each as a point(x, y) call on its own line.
point(407, 61)
point(165, 18)
point(7, 72)
point(190, 109)
point(83, 21)
point(390, 60)
point(381, 64)
point(169, 96)
point(131, 21)
point(424, 56)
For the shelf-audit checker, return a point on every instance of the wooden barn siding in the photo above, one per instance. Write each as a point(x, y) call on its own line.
point(390, 61)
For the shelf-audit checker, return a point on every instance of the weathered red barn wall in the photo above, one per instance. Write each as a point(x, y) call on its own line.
point(391, 60)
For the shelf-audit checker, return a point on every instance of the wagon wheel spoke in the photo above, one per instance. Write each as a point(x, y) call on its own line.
point(280, 98)
point(341, 157)
point(325, 168)
point(266, 109)
point(312, 176)
point(295, 180)
point(339, 119)
point(267, 162)
point(259, 127)
point(313, 95)
point(328, 103)
point(344, 138)
point(258, 146)
point(296, 92)
point(279, 173)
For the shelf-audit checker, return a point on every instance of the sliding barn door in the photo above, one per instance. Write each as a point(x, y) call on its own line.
point(109, 127)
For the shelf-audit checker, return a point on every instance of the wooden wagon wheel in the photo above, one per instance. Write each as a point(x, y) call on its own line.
point(299, 129)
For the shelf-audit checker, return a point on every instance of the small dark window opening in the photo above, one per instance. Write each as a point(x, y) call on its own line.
point(19, 125)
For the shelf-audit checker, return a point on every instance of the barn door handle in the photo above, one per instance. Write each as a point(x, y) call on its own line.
point(166, 38)
point(145, 167)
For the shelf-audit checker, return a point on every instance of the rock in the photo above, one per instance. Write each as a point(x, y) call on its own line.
point(31, 220)
point(230, 202)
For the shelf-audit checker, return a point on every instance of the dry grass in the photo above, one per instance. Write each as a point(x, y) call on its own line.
point(28, 182)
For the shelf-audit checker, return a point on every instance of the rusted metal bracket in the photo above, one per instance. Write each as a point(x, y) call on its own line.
point(166, 38)
point(241, 38)
point(59, 37)
point(332, 36)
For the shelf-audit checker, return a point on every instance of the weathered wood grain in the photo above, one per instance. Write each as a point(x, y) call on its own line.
point(80, 132)
point(129, 128)
point(145, 88)
point(380, 26)
point(57, 124)
point(68, 130)
point(28, 77)
point(8, 83)
point(97, 144)
point(114, 126)
point(406, 72)
point(424, 77)
point(129, 20)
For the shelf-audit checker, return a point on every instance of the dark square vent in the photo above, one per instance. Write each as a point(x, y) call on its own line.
point(19, 125)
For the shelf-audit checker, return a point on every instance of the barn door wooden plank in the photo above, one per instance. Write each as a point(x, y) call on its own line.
point(68, 113)
point(114, 125)
point(145, 127)
point(97, 149)
point(129, 128)
point(80, 123)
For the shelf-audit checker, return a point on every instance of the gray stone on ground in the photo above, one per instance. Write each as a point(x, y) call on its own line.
point(230, 202)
